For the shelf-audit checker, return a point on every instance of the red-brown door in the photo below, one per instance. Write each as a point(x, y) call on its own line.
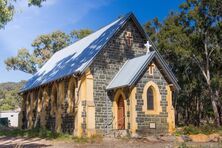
point(121, 113)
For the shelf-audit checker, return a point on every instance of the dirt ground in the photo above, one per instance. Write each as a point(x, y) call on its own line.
point(12, 142)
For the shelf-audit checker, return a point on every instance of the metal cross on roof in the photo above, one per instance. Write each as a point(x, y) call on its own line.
point(148, 45)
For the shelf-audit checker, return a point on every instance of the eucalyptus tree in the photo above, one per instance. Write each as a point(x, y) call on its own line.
point(44, 46)
point(191, 41)
point(7, 9)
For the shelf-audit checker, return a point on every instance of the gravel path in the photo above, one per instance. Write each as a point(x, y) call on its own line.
point(12, 142)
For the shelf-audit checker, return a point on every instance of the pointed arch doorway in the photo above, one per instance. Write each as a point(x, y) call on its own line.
point(120, 113)
point(119, 109)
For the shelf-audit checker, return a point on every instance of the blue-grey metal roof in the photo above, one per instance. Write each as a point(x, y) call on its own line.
point(76, 57)
point(130, 70)
point(133, 68)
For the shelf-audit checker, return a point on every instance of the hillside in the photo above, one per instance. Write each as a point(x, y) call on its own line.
point(9, 98)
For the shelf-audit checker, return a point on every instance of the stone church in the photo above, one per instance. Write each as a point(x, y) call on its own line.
point(112, 80)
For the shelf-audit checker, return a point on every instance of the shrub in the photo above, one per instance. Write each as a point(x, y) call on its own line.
point(204, 129)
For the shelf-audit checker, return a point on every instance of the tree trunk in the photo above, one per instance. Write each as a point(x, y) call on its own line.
point(215, 108)
point(219, 106)
point(205, 69)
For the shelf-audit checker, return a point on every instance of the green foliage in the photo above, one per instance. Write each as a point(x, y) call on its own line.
point(80, 139)
point(44, 46)
point(7, 10)
point(37, 132)
point(35, 2)
point(190, 40)
point(204, 129)
point(23, 61)
point(79, 34)
point(9, 98)
point(47, 134)
point(183, 145)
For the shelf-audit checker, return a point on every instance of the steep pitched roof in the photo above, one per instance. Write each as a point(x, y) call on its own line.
point(76, 57)
point(133, 68)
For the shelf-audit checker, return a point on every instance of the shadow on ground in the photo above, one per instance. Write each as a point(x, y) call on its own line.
point(14, 142)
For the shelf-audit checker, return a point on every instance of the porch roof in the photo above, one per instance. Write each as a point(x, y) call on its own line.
point(133, 69)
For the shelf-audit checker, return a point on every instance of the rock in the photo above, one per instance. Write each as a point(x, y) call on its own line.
point(220, 138)
point(183, 138)
point(135, 135)
point(180, 139)
point(120, 133)
point(199, 138)
point(152, 139)
point(168, 138)
point(214, 137)
point(186, 138)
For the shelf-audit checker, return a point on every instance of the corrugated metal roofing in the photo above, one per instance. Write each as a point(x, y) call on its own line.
point(76, 57)
point(133, 68)
point(130, 71)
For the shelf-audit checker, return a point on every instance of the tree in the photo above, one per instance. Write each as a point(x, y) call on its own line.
point(9, 98)
point(191, 41)
point(24, 61)
point(79, 34)
point(44, 46)
point(202, 20)
point(7, 10)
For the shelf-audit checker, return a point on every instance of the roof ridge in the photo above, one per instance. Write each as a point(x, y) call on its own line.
point(127, 15)
point(76, 57)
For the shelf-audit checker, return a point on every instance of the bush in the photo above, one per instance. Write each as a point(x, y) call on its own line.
point(204, 129)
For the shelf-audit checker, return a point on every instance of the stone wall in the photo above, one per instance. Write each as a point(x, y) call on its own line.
point(98, 103)
point(107, 64)
point(52, 107)
point(160, 119)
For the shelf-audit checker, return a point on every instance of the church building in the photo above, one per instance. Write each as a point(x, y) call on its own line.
point(112, 80)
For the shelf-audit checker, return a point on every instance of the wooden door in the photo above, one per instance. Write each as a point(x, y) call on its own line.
point(121, 113)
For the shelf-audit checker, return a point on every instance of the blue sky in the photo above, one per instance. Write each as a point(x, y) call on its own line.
point(66, 15)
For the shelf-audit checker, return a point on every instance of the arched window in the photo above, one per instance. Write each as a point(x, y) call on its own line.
point(150, 99)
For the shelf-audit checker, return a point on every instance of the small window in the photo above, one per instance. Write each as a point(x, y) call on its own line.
point(151, 69)
point(150, 99)
point(11, 115)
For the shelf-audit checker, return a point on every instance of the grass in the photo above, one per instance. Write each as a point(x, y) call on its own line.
point(183, 145)
point(46, 134)
point(204, 129)
point(37, 132)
